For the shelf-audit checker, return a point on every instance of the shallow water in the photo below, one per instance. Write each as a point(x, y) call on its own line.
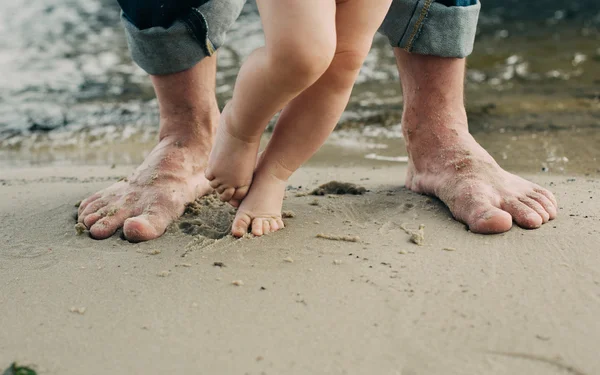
point(69, 93)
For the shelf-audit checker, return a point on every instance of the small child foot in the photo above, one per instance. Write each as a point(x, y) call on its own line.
point(260, 211)
point(231, 163)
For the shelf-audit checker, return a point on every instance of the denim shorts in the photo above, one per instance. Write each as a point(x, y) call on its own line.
point(168, 36)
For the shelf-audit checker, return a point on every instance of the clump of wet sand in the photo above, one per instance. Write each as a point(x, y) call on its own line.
point(339, 188)
point(78, 310)
point(150, 252)
point(416, 236)
point(80, 229)
point(288, 214)
point(208, 201)
point(207, 217)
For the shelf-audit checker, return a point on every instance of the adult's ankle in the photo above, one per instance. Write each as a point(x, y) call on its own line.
point(189, 130)
point(426, 119)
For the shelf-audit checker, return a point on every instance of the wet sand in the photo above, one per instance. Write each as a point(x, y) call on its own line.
point(524, 302)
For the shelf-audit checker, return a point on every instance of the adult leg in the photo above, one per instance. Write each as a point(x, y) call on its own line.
point(172, 175)
point(445, 160)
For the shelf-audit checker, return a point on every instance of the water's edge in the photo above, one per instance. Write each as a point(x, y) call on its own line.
point(70, 94)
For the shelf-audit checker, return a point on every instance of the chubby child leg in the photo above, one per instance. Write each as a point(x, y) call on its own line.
point(307, 121)
point(300, 44)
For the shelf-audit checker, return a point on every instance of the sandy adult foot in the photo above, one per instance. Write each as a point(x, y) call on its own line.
point(452, 166)
point(155, 194)
point(232, 161)
point(260, 211)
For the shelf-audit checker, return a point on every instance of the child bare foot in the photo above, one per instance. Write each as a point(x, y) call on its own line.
point(260, 211)
point(301, 40)
point(232, 161)
point(314, 52)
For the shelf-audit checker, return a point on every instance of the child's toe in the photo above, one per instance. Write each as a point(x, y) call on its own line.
point(280, 223)
point(221, 189)
point(227, 194)
point(266, 226)
point(214, 183)
point(257, 227)
point(240, 224)
point(273, 224)
point(240, 193)
point(209, 175)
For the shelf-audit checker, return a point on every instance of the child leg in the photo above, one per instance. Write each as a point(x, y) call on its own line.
point(300, 43)
point(309, 119)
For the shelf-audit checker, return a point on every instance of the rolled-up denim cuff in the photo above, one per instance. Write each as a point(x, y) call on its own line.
point(160, 50)
point(430, 28)
point(188, 40)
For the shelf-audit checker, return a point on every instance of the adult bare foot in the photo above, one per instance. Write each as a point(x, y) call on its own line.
point(452, 166)
point(447, 162)
point(153, 196)
point(173, 173)
point(232, 161)
point(260, 211)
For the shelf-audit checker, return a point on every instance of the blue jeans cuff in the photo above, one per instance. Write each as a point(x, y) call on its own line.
point(431, 28)
point(194, 36)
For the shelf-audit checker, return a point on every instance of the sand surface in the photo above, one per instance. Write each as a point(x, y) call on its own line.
point(524, 302)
